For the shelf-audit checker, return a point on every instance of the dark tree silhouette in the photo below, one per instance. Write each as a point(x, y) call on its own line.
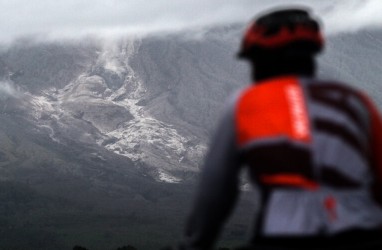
point(79, 248)
point(128, 247)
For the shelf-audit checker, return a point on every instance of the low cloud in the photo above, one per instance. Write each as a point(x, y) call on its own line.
point(75, 18)
point(353, 15)
point(7, 89)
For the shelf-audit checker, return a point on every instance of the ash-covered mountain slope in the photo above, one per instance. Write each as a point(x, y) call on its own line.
point(190, 78)
point(356, 59)
point(152, 100)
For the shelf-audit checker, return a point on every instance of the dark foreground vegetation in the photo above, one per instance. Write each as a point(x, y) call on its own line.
point(133, 248)
point(119, 248)
point(30, 219)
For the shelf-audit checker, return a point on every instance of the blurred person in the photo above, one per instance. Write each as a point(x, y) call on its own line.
point(313, 147)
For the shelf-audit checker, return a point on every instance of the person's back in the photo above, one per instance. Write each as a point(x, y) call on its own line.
point(314, 148)
point(307, 144)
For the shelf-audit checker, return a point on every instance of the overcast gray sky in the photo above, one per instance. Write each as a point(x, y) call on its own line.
point(73, 18)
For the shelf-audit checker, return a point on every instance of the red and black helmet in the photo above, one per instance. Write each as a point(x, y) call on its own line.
point(290, 31)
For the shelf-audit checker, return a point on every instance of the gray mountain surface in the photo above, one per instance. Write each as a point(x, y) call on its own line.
point(101, 141)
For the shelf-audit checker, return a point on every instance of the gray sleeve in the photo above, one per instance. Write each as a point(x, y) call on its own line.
point(218, 188)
